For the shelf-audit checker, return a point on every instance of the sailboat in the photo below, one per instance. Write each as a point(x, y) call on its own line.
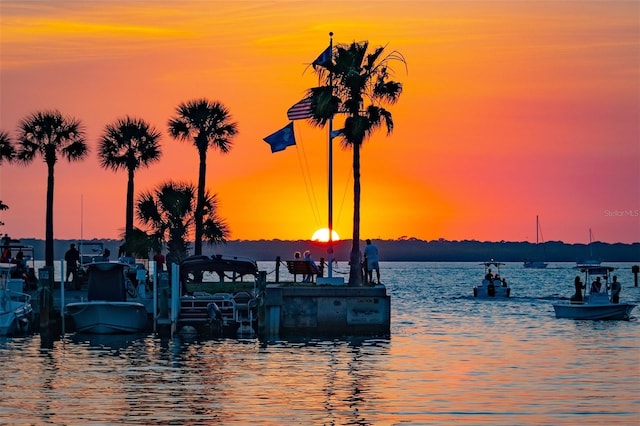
point(591, 260)
point(536, 264)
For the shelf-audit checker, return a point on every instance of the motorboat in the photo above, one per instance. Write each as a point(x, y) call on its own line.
point(493, 285)
point(596, 301)
point(111, 307)
point(536, 264)
point(16, 312)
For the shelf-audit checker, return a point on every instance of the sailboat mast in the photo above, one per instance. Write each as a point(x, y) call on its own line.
point(330, 183)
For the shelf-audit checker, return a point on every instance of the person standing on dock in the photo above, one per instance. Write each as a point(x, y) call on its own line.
point(371, 254)
point(72, 257)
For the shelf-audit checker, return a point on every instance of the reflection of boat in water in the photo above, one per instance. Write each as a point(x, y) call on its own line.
point(493, 285)
point(16, 312)
point(536, 264)
point(108, 309)
point(596, 301)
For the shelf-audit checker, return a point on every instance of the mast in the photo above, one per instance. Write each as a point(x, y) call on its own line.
point(330, 177)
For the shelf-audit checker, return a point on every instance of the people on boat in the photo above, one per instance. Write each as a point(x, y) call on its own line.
point(307, 277)
point(373, 263)
point(489, 275)
point(6, 255)
point(615, 290)
point(106, 254)
point(579, 285)
point(72, 257)
point(504, 283)
point(596, 286)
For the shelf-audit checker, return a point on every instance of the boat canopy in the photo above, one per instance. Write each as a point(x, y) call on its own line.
point(492, 263)
point(232, 267)
point(595, 269)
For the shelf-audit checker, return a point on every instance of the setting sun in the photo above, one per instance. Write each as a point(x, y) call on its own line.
point(322, 234)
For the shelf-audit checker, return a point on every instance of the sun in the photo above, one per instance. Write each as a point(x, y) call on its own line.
point(322, 235)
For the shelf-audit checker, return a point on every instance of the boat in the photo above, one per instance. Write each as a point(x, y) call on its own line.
point(590, 261)
point(109, 309)
point(219, 295)
point(536, 264)
point(16, 312)
point(596, 301)
point(493, 285)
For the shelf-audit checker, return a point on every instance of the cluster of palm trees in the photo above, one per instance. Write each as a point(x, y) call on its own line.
point(356, 83)
point(173, 209)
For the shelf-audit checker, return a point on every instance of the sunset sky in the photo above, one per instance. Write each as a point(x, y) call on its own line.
point(510, 109)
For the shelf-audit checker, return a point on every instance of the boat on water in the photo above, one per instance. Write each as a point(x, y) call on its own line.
point(219, 293)
point(110, 307)
point(592, 261)
point(594, 302)
point(16, 312)
point(493, 285)
point(536, 264)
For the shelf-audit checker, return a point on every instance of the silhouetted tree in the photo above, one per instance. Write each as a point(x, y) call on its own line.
point(50, 135)
point(206, 124)
point(357, 84)
point(129, 144)
point(169, 213)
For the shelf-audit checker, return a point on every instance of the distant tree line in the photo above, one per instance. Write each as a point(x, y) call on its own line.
point(407, 250)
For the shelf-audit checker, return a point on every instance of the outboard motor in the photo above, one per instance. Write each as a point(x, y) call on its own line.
point(215, 319)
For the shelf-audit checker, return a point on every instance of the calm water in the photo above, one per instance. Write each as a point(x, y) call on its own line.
point(450, 359)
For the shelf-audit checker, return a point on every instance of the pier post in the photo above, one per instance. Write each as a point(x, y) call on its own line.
point(635, 269)
point(277, 269)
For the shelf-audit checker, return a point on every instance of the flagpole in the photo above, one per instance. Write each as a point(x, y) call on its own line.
point(330, 204)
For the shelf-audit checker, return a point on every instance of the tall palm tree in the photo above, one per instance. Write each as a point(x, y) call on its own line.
point(169, 214)
point(129, 144)
point(52, 136)
point(206, 124)
point(357, 84)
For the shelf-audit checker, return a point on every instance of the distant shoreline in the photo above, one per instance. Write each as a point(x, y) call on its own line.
point(396, 250)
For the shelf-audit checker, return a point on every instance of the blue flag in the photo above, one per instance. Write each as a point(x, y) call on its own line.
point(282, 138)
point(323, 59)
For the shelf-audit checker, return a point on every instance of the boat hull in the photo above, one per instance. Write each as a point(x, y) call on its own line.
point(102, 317)
point(586, 311)
point(15, 315)
point(485, 291)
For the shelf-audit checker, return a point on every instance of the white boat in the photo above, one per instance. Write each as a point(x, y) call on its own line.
point(16, 312)
point(493, 285)
point(108, 310)
point(595, 305)
point(536, 264)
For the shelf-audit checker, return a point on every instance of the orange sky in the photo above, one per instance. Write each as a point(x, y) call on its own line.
point(510, 110)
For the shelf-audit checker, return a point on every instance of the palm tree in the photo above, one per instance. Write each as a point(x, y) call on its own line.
point(169, 213)
point(206, 124)
point(52, 136)
point(7, 152)
point(129, 144)
point(357, 84)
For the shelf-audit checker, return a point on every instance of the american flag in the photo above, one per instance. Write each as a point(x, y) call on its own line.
point(300, 110)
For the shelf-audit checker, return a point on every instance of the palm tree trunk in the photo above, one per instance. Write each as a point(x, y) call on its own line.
point(128, 227)
point(355, 272)
point(198, 215)
point(48, 244)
